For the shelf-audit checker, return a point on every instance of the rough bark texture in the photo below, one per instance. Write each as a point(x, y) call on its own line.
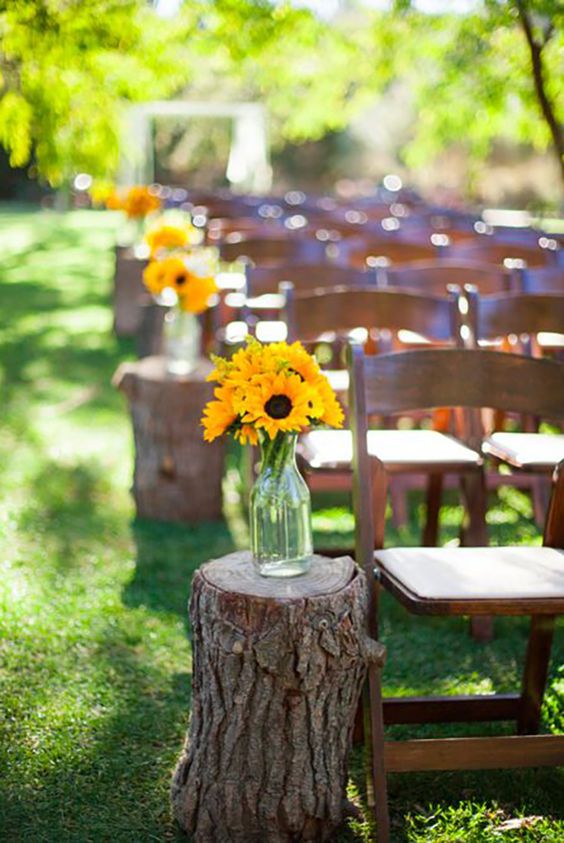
point(278, 670)
point(129, 292)
point(177, 475)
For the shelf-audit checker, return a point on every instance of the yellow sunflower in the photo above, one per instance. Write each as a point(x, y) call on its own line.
point(139, 202)
point(297, 359)
point(219, 415)
point(247, 433)
point(195, 295)
point(278, 402)
point(155, 276)
point(332, 414)
point(167, 237)
point(249, 363)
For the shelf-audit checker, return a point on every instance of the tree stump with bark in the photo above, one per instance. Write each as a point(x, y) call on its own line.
point(129, 292)
point(177, 476)
point(278, 670)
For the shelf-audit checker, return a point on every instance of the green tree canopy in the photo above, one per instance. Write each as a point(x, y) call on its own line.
point(68, 67)
point(496, 72)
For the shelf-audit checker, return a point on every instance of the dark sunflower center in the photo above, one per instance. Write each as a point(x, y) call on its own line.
point(278, 406)
point(180, 280)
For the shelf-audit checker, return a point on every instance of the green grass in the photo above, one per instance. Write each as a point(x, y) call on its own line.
point(94, 647)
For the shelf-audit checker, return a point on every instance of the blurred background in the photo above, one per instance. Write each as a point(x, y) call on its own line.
point(463, 100)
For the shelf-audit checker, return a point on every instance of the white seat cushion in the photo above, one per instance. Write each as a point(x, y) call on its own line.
point(423, 448)
point(541, 451)
point(464, 573)
point(338, 378)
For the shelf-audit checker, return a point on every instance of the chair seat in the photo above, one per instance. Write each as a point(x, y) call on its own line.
point(338, 378)
point(401, 450)
point(533, 451)
point(469, 580)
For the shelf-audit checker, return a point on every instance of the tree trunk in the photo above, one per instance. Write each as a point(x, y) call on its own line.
point(546, 107)
point(278, 670)
point(129, 292)
point(177, 475)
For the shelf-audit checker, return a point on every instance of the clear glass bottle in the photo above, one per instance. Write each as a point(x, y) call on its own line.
point(182, 337)
point(280, 511)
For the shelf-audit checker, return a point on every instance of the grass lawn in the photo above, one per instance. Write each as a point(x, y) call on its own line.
point(94, 648)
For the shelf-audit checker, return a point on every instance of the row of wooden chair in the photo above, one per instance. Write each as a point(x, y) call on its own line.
point(456, 581)
point(373, 251)
point(326, 455)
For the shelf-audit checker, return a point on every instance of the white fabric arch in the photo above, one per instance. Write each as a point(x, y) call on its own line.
point(248, 167)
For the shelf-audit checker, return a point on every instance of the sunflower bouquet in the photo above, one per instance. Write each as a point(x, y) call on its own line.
point(187, 280)
point(268, 394)
point(140, 201)
point(184, 282)
point(269, 389)
point(165, 237)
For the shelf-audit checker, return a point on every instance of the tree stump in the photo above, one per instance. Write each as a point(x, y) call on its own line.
point(129, 292)
point(177, 476)
point(278, 670)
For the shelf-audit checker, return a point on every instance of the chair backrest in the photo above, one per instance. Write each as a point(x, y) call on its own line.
point(221, 229)
point(405, 381)
point(514, 313)
point(495, 251)
point(434, 276)
point(268, 251)
point(546, 279)
point(342, 309)
point(310, 276)
point(360, 252)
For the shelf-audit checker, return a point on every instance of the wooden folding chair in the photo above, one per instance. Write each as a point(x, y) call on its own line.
point(545, 279)
point(524, 317)
point(325, 455)
point(269, 251)
point(457, 581)
point(493, 250)
point(435, 276)
point(371, 251)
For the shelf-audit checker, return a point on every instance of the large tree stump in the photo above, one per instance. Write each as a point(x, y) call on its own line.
point(129, 292)
point(278, 670)
point(177, 476)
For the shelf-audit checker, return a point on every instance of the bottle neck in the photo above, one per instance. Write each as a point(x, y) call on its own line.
point(278, 453)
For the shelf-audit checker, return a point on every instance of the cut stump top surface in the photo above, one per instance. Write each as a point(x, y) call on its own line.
point(236, 573)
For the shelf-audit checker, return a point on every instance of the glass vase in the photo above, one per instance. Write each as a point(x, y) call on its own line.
point(182, 339)
point(280, 511)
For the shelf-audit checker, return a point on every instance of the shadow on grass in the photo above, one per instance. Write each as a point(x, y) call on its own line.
point(420, 802)
point(124, 756)
point(167, 557)
point(70, 510)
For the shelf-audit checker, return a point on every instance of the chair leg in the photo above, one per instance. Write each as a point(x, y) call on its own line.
point(474, 497)
point(535, 673)
point(374, 742)
point(540, 493)
point(398, 500)
point(434, 497)
point(474, 534)
point(482, 628)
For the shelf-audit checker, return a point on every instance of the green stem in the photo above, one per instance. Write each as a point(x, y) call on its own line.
point(276, 452)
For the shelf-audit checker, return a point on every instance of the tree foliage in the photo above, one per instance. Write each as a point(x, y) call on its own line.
point(66, 69)
point(475, 78)
point(69, 67)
